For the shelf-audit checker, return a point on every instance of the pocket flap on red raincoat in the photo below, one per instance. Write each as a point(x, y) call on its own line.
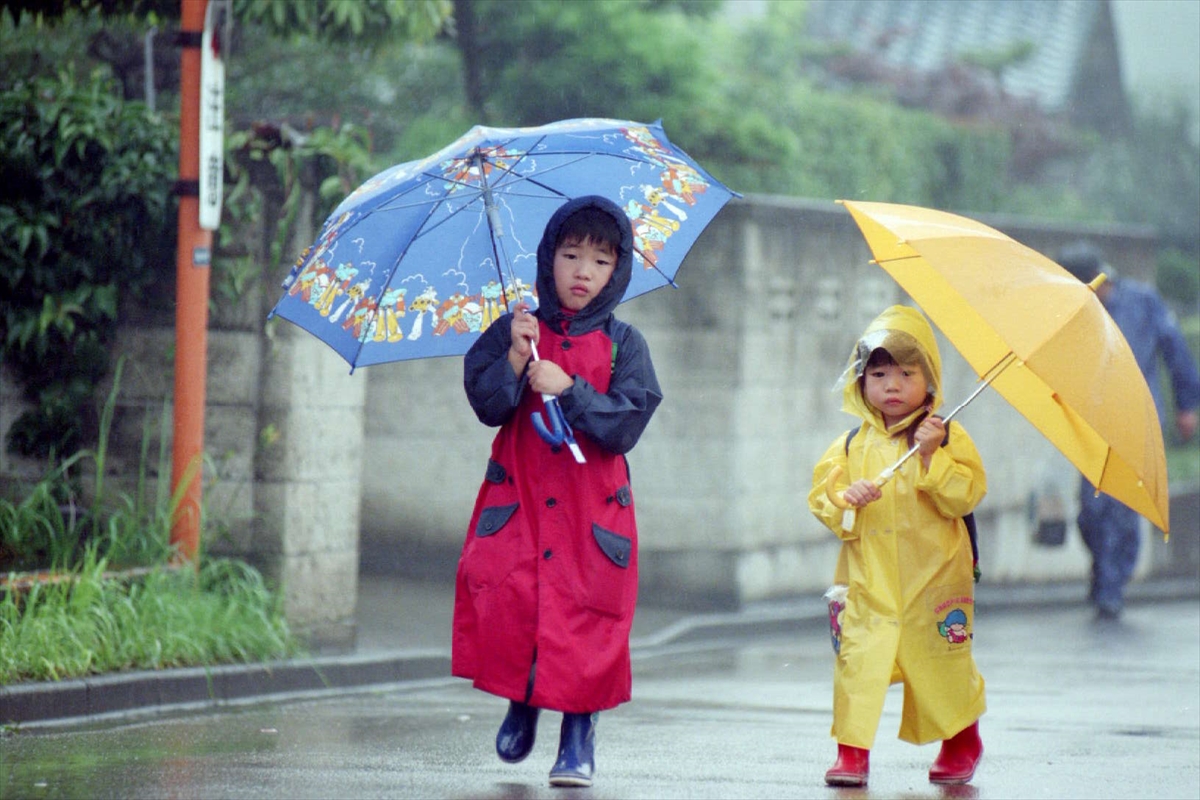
point(493, 518)
point(613, 545)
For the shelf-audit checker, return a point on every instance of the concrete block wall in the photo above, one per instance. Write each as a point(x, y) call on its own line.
point(308, 475)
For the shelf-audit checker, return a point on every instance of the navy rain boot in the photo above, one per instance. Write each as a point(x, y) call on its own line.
point(576, 751)
point(514, 741)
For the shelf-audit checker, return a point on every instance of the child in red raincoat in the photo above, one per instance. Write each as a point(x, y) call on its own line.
point(547, 581)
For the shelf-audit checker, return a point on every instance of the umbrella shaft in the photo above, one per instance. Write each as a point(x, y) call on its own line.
point(496, 226)
point(887, 474)
point(545, 397)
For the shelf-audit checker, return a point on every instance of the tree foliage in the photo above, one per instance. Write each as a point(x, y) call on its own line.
point(85, 219)
point(86, 216)
point(346, 20)
point(327, 19)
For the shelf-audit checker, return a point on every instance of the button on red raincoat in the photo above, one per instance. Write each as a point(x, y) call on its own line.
point(548, 573)
point(907, 563)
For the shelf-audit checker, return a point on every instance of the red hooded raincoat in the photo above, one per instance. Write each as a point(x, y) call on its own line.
point(548, 573)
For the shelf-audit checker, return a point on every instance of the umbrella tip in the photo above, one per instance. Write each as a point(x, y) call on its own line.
point(1097, 281)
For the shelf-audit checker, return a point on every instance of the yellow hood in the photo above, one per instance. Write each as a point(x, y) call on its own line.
point(892, 330)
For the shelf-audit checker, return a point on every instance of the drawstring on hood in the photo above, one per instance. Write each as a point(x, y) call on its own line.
point(594, 314)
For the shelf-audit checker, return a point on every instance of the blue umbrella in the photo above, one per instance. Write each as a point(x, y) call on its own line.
point(420, 259)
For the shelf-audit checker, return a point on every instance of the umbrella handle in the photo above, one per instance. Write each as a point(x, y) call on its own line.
point(559, 431)
point(835, 497)
point(554, 433)
point(839, 498)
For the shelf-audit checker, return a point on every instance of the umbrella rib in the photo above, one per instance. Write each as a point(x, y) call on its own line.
point(388, 275)
point(518, 178)
point(654, 266)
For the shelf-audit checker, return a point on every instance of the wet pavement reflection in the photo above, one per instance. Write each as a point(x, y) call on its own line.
point(1077, 708)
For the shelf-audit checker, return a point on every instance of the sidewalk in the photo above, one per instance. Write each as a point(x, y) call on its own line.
point(404, 636)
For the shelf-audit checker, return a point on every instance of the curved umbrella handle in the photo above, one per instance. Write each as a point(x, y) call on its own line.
point(559, 431)
point(554, 433)
point(835, 497)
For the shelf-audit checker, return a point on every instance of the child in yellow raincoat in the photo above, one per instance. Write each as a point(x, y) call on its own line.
point(906, 559)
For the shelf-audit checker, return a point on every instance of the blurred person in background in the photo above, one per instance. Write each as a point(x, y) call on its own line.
point(1108, 527)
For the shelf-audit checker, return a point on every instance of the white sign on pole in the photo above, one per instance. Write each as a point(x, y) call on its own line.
point(212, 116)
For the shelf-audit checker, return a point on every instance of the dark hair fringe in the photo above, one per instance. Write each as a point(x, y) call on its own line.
point(590, 223)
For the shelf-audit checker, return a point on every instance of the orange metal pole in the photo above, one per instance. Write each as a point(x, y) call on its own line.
point(192, 254)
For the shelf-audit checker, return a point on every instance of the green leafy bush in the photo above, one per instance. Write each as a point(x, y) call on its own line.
point(85, 224)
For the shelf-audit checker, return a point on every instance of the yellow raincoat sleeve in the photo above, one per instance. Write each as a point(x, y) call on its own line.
point(955, 481)
point(818, 502)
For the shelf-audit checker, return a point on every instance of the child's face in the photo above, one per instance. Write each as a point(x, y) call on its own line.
point(894, 390)
point(581, 270)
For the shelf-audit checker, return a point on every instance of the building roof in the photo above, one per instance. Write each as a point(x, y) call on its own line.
point(927, 35)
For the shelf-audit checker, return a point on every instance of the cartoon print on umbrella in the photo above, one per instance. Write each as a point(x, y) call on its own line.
point(415, 262)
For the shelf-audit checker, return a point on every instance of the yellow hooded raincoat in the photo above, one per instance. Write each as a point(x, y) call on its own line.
point(910, 610)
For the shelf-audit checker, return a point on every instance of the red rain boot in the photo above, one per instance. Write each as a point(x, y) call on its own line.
point(851, 767)
point(959, 757)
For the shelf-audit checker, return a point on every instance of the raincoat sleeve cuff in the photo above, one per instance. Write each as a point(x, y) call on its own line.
point(496, 392)
point(940, 466)
point(953, 485)
point(577, 399)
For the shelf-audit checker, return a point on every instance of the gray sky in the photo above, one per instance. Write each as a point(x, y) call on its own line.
point(1159, 42)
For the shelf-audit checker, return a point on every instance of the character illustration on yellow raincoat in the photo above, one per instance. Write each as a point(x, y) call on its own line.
point(906, 558)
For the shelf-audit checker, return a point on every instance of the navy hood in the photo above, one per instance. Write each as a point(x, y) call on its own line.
point(594, 314)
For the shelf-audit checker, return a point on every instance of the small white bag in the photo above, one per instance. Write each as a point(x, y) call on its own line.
point(835, 597)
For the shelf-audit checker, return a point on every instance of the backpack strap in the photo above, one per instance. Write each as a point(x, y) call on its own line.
point(968, 520)
point(850, 435)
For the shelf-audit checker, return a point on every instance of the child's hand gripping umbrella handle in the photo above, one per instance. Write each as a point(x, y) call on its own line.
point(559, 431)
point(839, 498)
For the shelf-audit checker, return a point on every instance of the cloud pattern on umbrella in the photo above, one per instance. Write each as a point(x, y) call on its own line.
point(424, 256)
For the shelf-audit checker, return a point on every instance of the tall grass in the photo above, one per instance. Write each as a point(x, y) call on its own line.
point(222, 613)
point(55, 521)
point(94, 613)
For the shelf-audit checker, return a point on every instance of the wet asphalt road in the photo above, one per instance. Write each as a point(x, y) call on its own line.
point(1077, 709)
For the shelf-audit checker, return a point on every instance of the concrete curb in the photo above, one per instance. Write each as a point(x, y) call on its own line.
point(198, 687)
point(157, 691)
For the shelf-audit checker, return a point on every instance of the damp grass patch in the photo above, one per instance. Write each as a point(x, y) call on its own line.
point(96, 622)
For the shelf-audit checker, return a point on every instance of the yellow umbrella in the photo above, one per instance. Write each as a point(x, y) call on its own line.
point(1038, 336)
